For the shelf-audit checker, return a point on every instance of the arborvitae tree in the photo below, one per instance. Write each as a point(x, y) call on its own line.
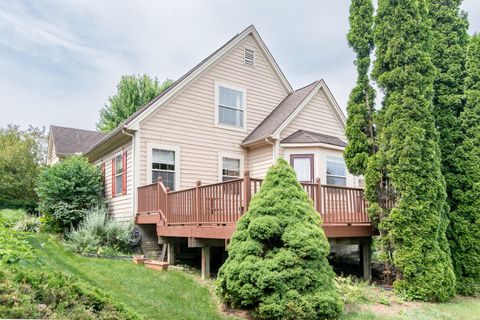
point(360, 108)
point(465, 218)
point(407, 163)
point(450, 39)
point(277, 261)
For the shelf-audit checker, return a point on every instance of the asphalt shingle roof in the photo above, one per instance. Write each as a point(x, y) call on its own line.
point(278, 116)
point(68, 141)
point(303, 136)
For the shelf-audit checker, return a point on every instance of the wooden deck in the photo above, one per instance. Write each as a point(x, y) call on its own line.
point(211, 211)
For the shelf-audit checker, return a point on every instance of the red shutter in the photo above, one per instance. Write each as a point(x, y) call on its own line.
point(113, 177)
point(124, 173)
point(104, 182)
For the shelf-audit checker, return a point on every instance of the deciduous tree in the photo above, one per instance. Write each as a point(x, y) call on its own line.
point(133, 92)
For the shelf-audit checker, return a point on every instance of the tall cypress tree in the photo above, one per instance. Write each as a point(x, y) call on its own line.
point(450, 39)
point(360, 108)
point(408, 163)
point(465, 218)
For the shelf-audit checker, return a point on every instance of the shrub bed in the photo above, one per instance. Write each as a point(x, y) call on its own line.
point(28, 293)
point(101, 235)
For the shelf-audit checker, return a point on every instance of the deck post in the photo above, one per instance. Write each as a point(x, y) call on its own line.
point(197, 202)
point(205, 262)
point(318, 196)
point(159, 180)
point(247, 190)
point(365, 247)
point(171, 254)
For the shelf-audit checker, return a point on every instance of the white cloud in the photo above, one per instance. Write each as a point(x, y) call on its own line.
point(60, 60)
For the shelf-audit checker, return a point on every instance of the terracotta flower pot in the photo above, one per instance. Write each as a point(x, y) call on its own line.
point(139, 259)
point(156, 265)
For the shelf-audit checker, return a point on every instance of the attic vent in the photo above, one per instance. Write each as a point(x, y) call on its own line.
point(249, 57)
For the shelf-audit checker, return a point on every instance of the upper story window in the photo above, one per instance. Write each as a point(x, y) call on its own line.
point(249, 57)
point(163, 165)
point(336, 171)
point(231, 107)
point(230, 168)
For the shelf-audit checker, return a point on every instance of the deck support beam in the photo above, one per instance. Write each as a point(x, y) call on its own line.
point(171, 254)
point(365, 247)
point(205, 263)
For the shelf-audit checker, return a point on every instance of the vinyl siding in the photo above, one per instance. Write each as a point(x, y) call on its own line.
point(316, 116)
point(120, 206)
point(188, 120)
point(260, 159)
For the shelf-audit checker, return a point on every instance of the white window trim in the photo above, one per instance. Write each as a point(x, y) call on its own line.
point(175, 148)
point(254, 57)
point(217, 102)
point(119, 153)
point(231, 155)
point(337, 161)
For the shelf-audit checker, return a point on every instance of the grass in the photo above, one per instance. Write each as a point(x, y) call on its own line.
point(153, 294)
point(460, 308)
point(176, 295)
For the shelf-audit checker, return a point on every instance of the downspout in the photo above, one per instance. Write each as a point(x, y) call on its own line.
point(134, 187)
point(273, 149)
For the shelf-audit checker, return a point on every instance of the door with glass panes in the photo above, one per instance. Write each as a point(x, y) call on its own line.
point(304, 166)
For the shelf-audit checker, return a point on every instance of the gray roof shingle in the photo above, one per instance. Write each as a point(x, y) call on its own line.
point(303, 136)
point(278, 116)
point(68, 141)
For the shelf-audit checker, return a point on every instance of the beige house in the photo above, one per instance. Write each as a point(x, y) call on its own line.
point(234, 111)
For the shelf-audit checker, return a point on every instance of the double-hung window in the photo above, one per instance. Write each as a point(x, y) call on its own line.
point(119, 174)
point(231, 107)
point(163, 165)
point(336, 171)
point(230, 168)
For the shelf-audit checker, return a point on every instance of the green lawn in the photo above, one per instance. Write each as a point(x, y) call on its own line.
point(458, 309)
point(153, 294)
point(176, 295)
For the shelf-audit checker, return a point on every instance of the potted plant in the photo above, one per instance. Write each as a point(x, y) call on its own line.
point(156, 265)
point(139, 259)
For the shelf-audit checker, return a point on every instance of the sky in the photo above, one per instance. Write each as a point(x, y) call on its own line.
point(60, 60)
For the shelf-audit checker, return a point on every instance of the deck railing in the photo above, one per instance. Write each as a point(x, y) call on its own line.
point(224, 202)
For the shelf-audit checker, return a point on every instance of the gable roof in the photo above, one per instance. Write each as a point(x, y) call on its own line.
point(288, 109)
point(278, 116)
point(68, 141)
point(304, 136)
point(192, 74)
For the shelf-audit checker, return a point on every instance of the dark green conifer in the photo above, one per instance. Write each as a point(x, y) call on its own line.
point(360, 108)
point(464, 231)
point(407, 165)
point(277, 259)
point(450, 39)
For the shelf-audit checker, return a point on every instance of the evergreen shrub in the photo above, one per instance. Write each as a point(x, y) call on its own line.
point(277, 262)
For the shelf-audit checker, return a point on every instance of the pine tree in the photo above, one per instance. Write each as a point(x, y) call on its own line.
point(277, 263)
point(360, 108)
point(450, 39)
point(465, 218)
point(407, 164)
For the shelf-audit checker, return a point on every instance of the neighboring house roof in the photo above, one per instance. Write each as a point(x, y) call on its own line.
point(192, 74)
point(303, 136)
point(281, 113)
point(68, 141)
